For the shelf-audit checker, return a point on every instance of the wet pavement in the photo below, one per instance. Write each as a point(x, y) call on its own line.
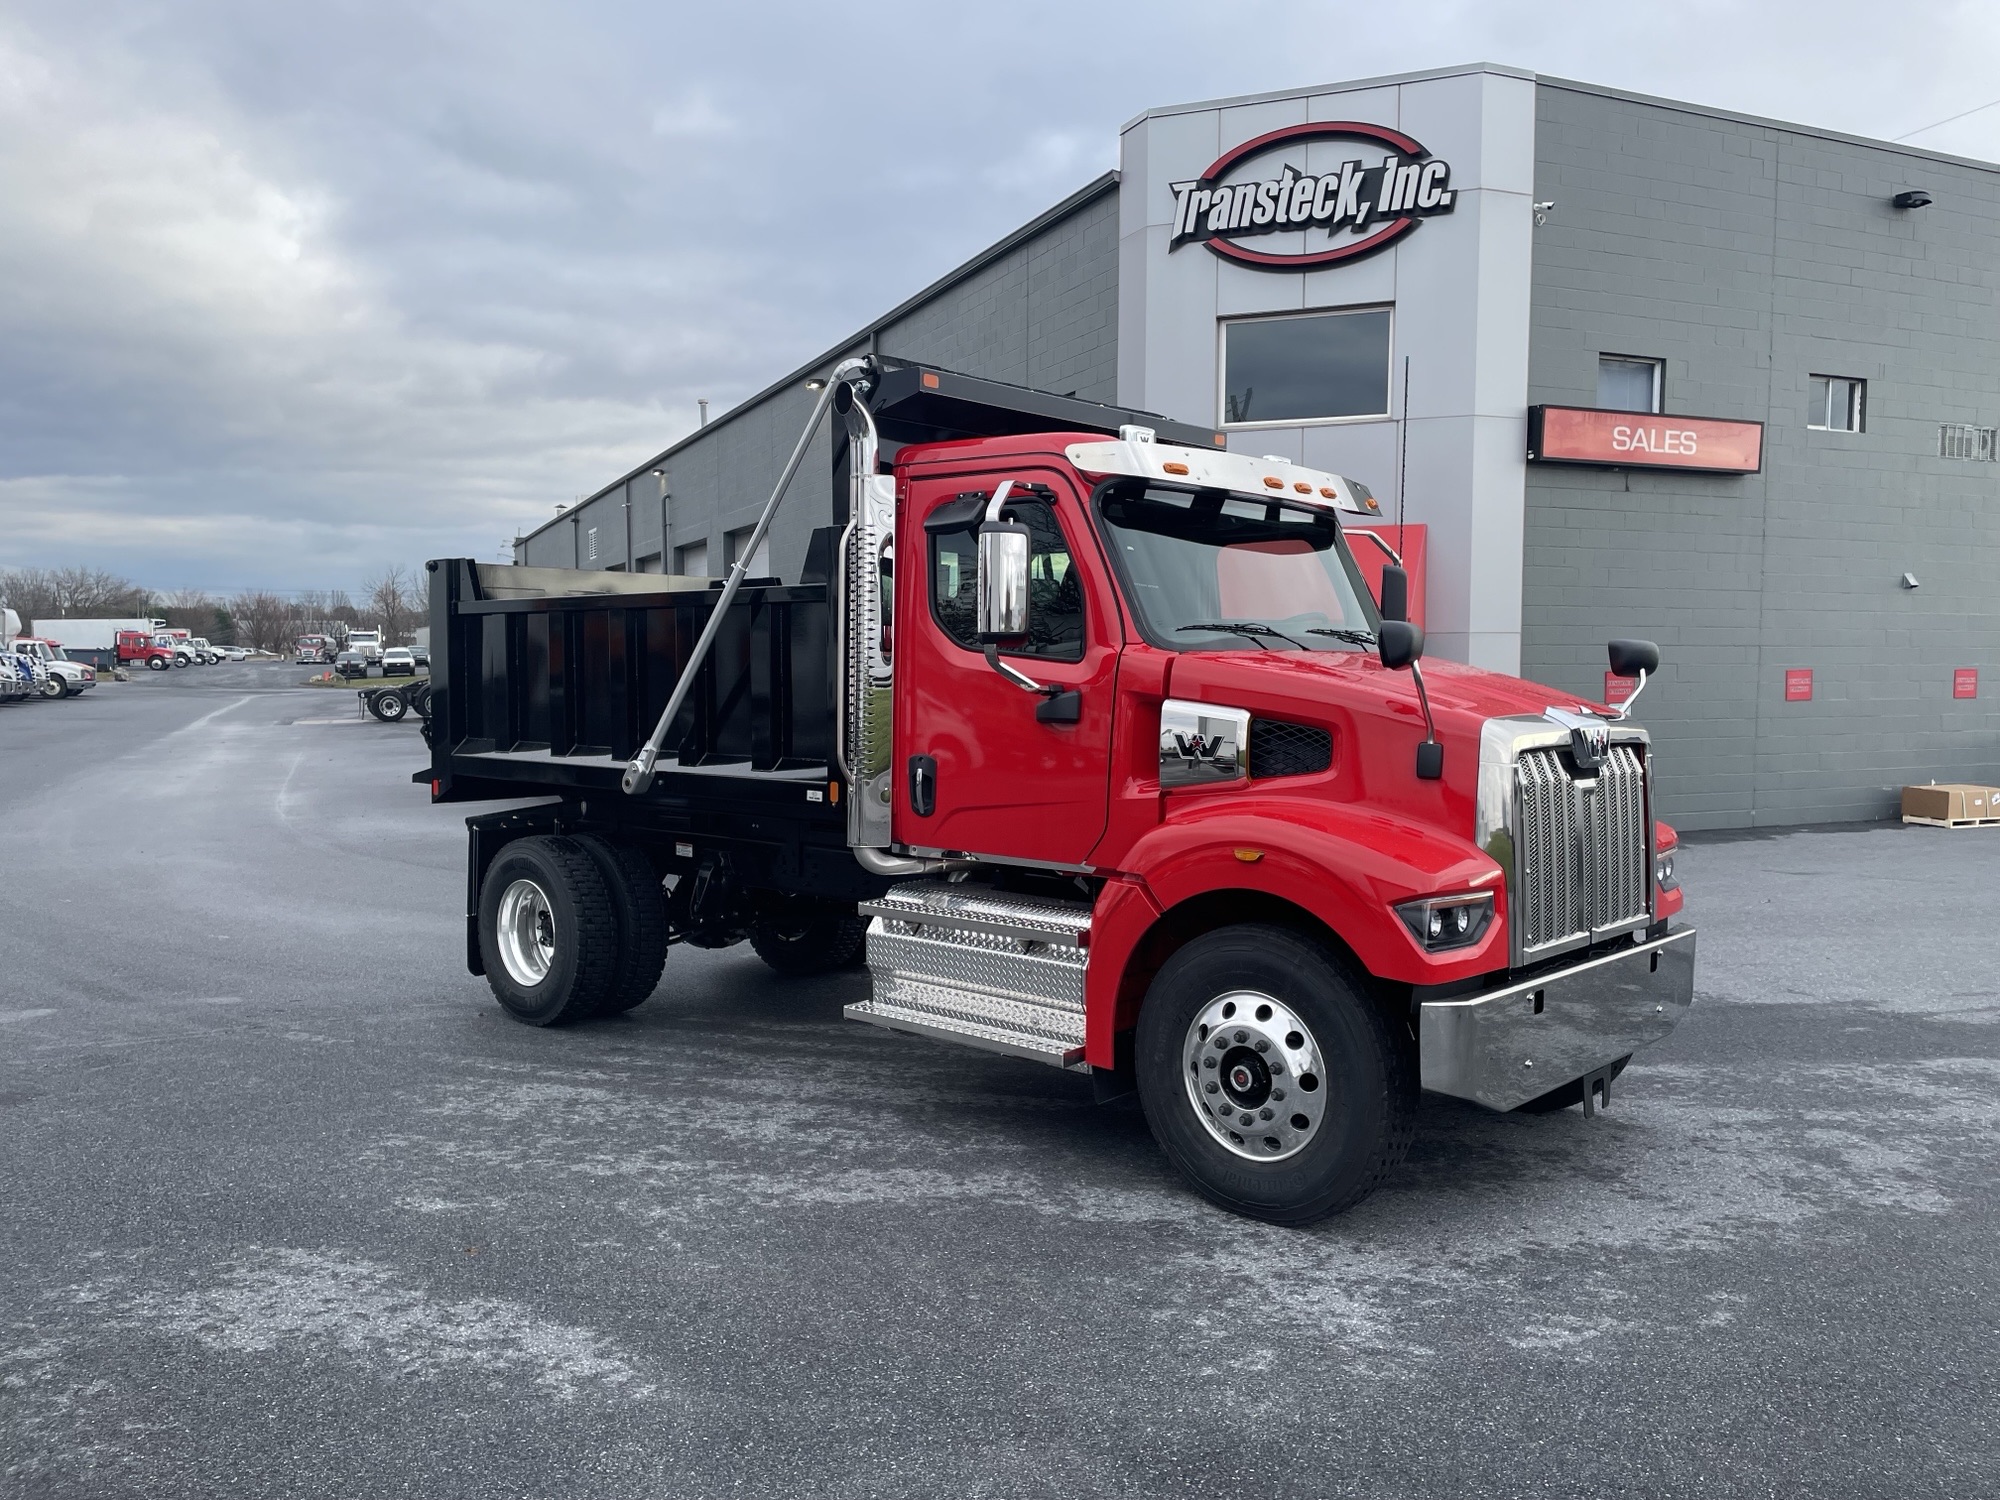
point(291, 1207)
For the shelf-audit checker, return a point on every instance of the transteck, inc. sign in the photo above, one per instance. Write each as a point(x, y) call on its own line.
point(1361, 207)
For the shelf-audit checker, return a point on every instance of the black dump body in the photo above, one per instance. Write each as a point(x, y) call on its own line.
point(546, 681)
point(540, 693)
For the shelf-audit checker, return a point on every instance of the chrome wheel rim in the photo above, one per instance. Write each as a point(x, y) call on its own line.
point(527, 933)
point(1255, 1076)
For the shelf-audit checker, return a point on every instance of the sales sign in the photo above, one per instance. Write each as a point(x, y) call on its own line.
point(1965, 682)
point(1639, 440)
point(1798, 684)
point(1365, 203)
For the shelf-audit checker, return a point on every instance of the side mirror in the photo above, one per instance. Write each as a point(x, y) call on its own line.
point(1400, 644)
point(1002, 606)
point(1395, 593)
point(1630, 658)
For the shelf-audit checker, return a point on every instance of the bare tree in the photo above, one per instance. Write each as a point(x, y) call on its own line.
point(392, 601)
point(64, 593)
point(263, 619)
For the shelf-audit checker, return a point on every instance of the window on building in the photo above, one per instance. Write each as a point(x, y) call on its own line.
point(1962, 440)
point(1628, 384)
point(691, 561)
point(1834, 403)
point(590, 554)
point(1055, 591)
point(1314, 367)
point(734, 542)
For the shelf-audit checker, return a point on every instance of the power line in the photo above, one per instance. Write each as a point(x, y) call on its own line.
point(1959, 116)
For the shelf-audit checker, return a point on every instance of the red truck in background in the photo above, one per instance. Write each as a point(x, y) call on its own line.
point(1092, 738)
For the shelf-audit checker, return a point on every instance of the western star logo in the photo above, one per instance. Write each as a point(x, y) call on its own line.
point(1364, 205)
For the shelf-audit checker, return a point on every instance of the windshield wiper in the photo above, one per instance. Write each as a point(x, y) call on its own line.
point(1248, 628)
point(1356, 637)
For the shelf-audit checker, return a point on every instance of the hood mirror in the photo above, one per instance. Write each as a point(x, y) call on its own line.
point(1640, 659)
point(1400, 645)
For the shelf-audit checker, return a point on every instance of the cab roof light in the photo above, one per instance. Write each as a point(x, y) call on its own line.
point(1328, 492)
point(1274, 481)
point(1172, 468)
point(1302, 487)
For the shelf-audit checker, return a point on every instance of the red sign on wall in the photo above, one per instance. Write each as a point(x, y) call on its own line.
point(1617, 689)
point(1965, 682)
point(1636, 440)
point(1798, 684)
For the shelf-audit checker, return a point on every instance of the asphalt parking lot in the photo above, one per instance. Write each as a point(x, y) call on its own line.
point(292, 1208)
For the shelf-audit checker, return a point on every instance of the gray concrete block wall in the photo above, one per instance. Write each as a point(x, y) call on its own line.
point(1043, 314)
point(1750, 257)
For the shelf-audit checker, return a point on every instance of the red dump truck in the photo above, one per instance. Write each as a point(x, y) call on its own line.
point(1089, 739)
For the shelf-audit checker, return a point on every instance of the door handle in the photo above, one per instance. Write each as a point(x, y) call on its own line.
point(923, 785)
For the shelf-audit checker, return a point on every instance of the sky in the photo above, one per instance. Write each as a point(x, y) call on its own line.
point(290, 293)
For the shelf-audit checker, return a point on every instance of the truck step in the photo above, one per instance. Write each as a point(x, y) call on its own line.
point(985, 968)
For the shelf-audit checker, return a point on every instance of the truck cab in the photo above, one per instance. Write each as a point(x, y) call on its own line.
point(145, 649)
point(367, 642)
point(1135, 777)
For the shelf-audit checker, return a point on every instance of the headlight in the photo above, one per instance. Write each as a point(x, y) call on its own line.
point(1441, 922)
point(1663, 871)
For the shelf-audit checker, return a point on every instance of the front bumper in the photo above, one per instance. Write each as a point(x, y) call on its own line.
point(1509, 1045)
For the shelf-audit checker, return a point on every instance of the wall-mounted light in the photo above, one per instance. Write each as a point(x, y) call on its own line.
point(816, 384)
point(1910, 581)
point(1914, 198)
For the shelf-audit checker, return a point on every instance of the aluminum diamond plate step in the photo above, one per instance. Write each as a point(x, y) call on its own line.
point(986, 968)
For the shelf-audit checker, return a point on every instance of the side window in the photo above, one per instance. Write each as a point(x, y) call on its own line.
point(1055, 591)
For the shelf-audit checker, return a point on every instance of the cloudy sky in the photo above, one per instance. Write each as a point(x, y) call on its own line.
point(290, 292)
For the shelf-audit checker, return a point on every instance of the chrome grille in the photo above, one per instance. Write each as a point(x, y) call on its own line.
point(1582, 847)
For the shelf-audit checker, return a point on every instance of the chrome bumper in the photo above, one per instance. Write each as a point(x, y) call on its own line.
point(1507, 1046)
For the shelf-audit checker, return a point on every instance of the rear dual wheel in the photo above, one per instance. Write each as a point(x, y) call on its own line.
point(570, 928)
point(1271, 1078)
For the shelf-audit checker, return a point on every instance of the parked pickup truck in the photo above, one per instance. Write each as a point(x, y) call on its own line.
point(1123, 770)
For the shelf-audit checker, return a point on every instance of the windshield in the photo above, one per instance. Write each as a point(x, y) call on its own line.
point(1211, 571)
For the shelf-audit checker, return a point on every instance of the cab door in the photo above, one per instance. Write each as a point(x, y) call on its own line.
point(984, 765)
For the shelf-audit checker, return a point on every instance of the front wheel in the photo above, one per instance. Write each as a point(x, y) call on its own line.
point(156, 664)
point(1270, 1077)
point(55, 687)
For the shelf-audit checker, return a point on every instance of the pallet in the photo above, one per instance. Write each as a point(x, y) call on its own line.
point(1952, 822)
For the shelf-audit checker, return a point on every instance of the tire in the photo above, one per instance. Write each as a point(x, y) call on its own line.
point(640, 907)
point(1569, 1094)
point(801, 935)
point(548, 937)
point(157, 664)
point(388, 707)
point(55, 687)
point(1350, 1088)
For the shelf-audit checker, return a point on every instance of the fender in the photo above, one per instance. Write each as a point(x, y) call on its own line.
point(1346, 865)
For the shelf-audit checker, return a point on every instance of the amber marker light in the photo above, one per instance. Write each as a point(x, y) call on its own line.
point(1274, 481)
point(833, 791)
point(1249, 856)
point(1302, 487)
point(1175, 468)
point(930, 381)
point(1328, 492)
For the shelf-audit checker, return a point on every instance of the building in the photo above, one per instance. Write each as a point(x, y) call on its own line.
point(1640, 367)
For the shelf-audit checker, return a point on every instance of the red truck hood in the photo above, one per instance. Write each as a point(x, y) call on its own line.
point(1374, 718)
point(1465, 695)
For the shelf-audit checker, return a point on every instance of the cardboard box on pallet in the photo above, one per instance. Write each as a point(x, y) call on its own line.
point(1951, 802)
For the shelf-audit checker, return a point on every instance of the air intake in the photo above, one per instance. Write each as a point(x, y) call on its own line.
point(1281, 749)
